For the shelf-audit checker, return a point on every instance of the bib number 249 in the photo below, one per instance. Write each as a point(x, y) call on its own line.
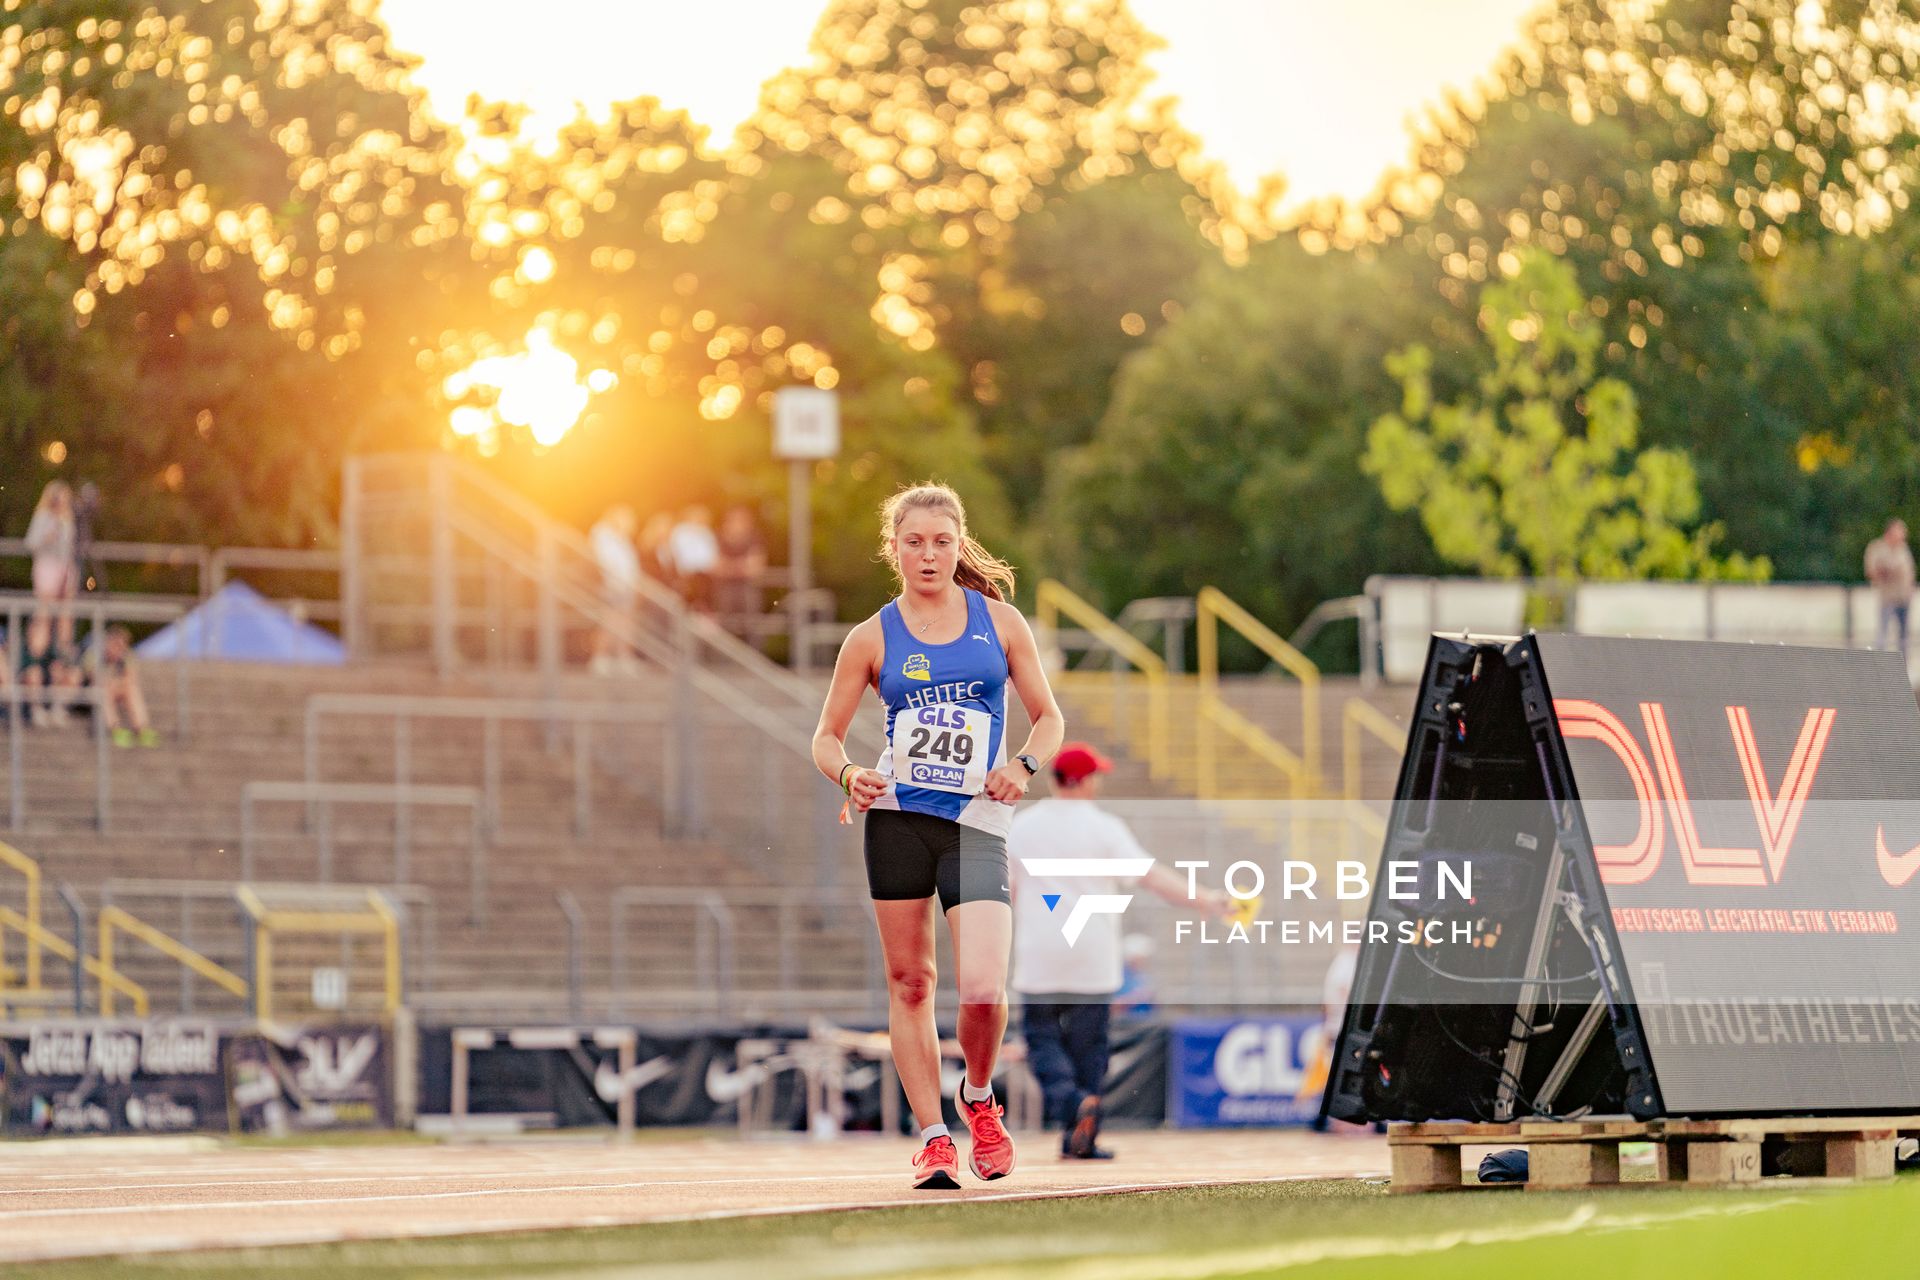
point(943, 748)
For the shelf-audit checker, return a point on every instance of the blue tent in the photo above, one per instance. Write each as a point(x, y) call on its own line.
point(239, 624)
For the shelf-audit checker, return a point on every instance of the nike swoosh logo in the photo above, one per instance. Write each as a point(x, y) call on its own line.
point(724, 1086)
point(608, 1083)
point(1895, 868)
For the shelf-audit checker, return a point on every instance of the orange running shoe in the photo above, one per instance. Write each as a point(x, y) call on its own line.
point(936, 1166)
point(992, 1154)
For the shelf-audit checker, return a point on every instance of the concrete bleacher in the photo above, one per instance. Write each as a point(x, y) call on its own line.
point(174, 814)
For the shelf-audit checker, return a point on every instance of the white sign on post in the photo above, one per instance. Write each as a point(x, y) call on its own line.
point(806, 423)
point(329, 988)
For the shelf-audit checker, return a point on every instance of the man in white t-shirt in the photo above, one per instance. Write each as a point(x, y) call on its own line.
point(696, 555)
point(1067, 989)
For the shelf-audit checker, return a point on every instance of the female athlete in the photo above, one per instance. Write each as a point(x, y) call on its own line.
point(940, 801)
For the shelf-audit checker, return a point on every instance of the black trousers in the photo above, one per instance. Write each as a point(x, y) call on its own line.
point(1066, 1050)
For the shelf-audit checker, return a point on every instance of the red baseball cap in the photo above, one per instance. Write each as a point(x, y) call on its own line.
point(1077, 761)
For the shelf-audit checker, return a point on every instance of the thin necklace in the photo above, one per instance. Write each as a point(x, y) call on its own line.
point(923, 626)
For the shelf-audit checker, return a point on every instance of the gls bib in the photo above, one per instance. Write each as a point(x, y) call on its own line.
point(942, 748)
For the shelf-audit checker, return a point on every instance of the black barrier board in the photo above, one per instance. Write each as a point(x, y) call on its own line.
point(700, 1077)
point(678, 1078)
point(89, 1077)
point(1693, 887)
point(302, 1080)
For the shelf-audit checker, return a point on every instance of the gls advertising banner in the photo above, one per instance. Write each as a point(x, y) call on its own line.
point(108, 1077)
point(1239, 1072)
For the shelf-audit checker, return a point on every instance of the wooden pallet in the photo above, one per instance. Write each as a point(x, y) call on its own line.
point(1566, 1154)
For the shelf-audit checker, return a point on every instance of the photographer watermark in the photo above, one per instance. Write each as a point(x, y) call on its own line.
point(1245, 882)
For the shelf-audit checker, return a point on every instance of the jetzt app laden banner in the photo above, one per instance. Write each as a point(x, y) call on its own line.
point(112, 1077)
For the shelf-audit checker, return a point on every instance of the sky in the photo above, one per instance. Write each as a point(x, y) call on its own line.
point(1321, 93)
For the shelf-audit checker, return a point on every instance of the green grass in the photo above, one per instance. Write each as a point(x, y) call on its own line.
point(331, 1138)
point(1316, 1230)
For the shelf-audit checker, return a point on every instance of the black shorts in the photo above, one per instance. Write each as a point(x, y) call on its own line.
point(915, 855)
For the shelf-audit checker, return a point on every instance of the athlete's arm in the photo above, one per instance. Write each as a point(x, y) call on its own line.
point(853, 672)
point(1172, 886)
point(1009, 782)
point(1163, 881)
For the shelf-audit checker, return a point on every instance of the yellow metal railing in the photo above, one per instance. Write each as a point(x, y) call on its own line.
point(101, 971)
point(1054, 600)
point(376, 920)
point(1367, 829)
point(1301, 768)
point(115, 920)
point(15, 860)
point(1357, 718)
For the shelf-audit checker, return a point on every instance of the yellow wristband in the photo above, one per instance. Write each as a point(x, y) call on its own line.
point(844, 785)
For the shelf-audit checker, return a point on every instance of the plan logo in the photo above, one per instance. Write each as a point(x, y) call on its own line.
point(916, 667)
point(1090, 905)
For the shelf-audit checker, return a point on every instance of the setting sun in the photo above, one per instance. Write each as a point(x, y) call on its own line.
point(538, 389)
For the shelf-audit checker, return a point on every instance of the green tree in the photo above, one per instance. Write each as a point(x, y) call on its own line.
point(228, 231)
point(1688, 160)
point(958, 111)
point(1082, 283)
point(1001, 158)
point(1829, 363)
point(1239, 428)
point(1536, 474)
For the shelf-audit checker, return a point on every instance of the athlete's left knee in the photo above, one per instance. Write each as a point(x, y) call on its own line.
point(983, 989)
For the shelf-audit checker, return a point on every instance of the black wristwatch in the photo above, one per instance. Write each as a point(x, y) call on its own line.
point(1033, 766)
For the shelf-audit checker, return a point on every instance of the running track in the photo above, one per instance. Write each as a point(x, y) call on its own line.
point(82, 1198)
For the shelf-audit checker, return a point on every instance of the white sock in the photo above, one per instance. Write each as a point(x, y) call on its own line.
point(931, 1132)
point(982, 1094)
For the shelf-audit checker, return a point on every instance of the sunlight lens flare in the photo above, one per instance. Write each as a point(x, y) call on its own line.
point(538, 389)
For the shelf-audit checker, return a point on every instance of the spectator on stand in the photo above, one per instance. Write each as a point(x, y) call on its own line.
point(656, 557)
point(108, 667)
point(1890, 571)
point(655, 553)
point(743, 559)
point(50, 540)
point(696, 557)
point(656, 562)
point(612, 540)
point(87, 575)
point(43, 666)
